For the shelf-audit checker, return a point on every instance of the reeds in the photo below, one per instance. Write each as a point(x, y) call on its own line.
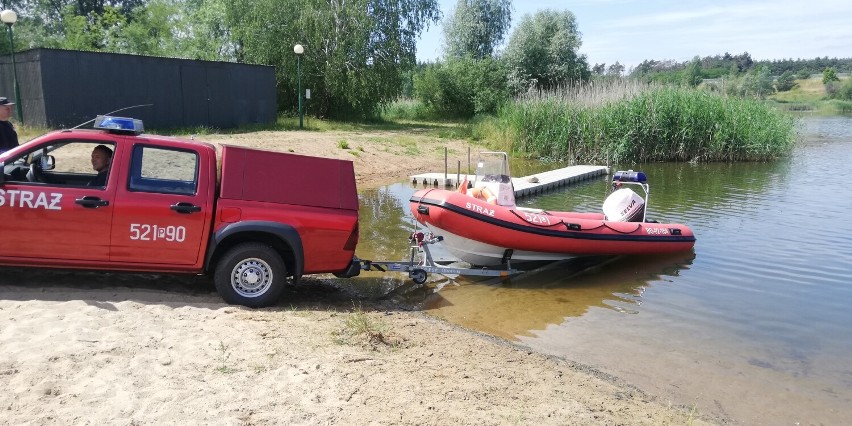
point(626, 121)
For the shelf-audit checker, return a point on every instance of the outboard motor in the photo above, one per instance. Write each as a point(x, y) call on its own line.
point(624, 205)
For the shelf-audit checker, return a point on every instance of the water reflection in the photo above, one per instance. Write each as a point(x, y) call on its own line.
point(549, 294)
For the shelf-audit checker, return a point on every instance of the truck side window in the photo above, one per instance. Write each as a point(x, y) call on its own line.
point(70, 163)
point(163, 170)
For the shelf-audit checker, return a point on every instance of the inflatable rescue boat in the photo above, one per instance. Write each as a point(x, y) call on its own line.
point(481, 225)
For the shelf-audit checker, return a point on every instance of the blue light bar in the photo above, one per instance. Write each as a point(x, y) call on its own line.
point(119, 124)
point(629, 176)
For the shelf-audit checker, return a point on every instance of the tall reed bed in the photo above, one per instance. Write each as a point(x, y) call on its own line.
point(632, 122)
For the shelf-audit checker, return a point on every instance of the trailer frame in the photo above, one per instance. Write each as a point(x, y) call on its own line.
point(419, 271)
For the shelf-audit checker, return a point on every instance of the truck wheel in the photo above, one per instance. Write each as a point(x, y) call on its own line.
point(250, 274)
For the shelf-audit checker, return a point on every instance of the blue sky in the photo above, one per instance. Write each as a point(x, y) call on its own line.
point(630, 31)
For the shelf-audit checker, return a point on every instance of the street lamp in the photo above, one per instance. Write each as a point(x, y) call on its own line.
point(299, 50)
point(9, 18)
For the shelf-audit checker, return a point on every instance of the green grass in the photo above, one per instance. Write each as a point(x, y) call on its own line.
point(810, 95)
point(224, 354)
point(360, 328)
point(27, 133)
point(641, 124)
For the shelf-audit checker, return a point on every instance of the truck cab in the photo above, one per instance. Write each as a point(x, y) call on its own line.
point(173, 205)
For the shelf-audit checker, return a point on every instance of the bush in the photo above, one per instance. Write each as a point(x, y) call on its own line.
point(461, 88)
point(785, 81)
point(406, 109)
point(844, 92)
point(829, 75)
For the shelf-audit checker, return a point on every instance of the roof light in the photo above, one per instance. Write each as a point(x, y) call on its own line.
point(629, 176)
point(119, 124)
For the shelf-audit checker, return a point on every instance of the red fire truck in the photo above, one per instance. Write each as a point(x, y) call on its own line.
point(252, 219)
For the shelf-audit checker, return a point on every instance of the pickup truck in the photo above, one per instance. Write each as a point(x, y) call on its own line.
point(255, 220)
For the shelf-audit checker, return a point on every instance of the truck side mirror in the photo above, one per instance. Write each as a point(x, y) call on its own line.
point(48, 162)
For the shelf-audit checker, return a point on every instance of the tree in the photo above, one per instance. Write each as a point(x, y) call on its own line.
point(356, 51)
point(757, 83)
point(615, 69)
point(599, 69)
point(803, 74)
point(829, 75)
point(845, 91)
point(477, 27)
point(463, 87)
point(785, 81)
point(45, 23)
point(542, 52)
point(692, 75)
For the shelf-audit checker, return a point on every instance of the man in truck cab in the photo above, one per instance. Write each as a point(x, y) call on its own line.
point(101, 159)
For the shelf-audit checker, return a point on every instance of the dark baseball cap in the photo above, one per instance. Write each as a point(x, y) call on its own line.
point(5, 101)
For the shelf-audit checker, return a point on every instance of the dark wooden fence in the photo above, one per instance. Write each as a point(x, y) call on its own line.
point(63, 88)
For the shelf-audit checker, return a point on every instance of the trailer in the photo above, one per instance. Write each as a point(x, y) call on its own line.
point(420, 262)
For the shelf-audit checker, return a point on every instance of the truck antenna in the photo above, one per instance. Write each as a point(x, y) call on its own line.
point(113, 112)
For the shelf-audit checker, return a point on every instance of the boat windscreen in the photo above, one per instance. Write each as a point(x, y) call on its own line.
point(493, 166)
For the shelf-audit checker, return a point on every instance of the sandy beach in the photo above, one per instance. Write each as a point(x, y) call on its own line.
point(93, 348)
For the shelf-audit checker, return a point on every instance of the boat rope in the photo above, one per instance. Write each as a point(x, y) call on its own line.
point(638, 225)
point(561, 222)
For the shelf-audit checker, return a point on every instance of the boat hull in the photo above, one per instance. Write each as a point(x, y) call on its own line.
point(481, 233)
point(482, 254)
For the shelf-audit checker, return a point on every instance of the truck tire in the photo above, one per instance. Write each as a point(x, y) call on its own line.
point(250, 274)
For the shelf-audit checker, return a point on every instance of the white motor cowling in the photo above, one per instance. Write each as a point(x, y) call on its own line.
point(624, 205)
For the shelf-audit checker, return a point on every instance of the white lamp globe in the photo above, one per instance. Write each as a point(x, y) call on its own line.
point(9, 17)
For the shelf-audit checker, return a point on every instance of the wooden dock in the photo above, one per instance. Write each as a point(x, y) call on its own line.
point(538, 183)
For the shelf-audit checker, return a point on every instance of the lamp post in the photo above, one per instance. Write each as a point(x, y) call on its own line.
point(9, 18)
point(299, 50)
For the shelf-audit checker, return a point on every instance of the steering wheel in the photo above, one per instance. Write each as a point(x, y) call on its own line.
point(35, 173)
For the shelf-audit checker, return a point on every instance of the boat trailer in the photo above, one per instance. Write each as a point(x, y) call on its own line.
point(418, 271)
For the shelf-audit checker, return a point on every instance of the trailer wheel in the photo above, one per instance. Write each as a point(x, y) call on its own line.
point(418, 275)
point(250, 274)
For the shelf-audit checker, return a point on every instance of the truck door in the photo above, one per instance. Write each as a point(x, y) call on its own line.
point(162, 213)
point(48, 212)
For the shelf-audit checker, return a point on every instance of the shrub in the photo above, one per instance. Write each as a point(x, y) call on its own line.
point(785, 81)
point(845, 90)
point(463, 87)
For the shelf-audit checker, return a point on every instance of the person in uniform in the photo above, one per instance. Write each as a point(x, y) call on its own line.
point(8, 135)
point(101, 159)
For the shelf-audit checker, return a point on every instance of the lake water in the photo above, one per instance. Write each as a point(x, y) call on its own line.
point(754, 325)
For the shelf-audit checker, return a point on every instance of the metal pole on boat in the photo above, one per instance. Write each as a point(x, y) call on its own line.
point(445, 166)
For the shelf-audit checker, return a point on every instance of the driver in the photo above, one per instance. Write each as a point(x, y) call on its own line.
point(101, 159)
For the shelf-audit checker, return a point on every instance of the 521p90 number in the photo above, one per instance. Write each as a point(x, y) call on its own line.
point(146, 232)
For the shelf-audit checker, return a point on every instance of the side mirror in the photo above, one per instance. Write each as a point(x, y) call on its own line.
point(2, 172)
point(48, 162)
